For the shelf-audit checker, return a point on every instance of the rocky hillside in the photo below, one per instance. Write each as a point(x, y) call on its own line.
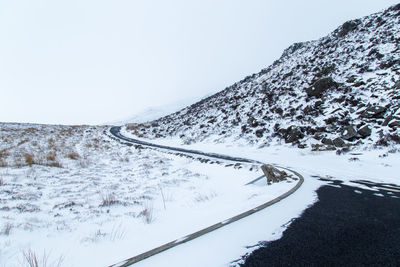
point(339, 91)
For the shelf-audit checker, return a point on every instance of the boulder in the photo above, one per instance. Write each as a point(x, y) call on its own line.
point(338, 142)
point(394, 124)
point(260, 133)
point(397, 85)
point(387, 120)
point(373, 112)
point(320, 86)
point(318, 136)
point(252, 122)
point(347, 27)
point(327, 141)
point(273, 174)
point(293, 134)
point(364, 131)
point(349, 133)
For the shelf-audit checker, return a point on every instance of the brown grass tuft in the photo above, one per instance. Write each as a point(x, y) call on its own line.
point(73, 155)
point(29, 159)
point(51, 156)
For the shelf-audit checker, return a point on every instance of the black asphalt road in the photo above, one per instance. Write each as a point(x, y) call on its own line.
point(116, 132)
point(348, 226)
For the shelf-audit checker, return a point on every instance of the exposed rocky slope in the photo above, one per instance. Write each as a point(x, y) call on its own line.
point(335, 92)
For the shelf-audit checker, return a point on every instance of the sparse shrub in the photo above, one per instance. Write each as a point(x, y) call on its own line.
point(133, 126)
point(147, 213)
point(117, 233)
point(51, 156)
point(84, 163)
point(55, 164)
point(204, 198)
point(7, 229)
point(23, 141)
point(32, 260)
point(73, 155)
point(29, 159)
point(108, 200)
point(3, 163)
point(3, 153)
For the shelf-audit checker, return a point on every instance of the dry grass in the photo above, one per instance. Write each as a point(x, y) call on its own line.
point(32, 260)
point(205, 197)
point(108, 200)
point(147, 213)
point(51, 156)
point(26, 140)
point(29, 159)
point(117, 233)
point(7, 229)
point(55, 164)
point(47, 145)
point(3, 163)
point(4, 153)
point(73, 155)
point(133, 126)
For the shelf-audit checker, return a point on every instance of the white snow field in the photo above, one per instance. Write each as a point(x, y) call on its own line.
point(73, 195)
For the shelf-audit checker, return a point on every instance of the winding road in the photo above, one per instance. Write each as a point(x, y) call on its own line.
point(116, 133)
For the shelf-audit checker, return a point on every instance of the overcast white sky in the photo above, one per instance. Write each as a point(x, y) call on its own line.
point(95, 61)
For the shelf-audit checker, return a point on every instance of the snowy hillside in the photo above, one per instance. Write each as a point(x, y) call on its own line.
point(339, 91)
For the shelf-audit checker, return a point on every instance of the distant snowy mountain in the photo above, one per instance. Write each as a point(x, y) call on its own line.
point(339, 91)
point(156, 112)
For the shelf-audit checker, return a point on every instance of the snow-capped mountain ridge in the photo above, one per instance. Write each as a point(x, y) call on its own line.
point(343, 89)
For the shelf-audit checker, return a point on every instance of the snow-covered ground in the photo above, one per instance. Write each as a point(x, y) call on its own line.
point(223, 247)
point(377, 165)
point(73, 193)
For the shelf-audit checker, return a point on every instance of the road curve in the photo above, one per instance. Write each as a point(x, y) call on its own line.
point(115, 131)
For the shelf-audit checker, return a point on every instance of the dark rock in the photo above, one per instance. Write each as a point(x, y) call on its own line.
point(349, 133)
point(260, 133)
point(394, 124)
point(351, 79)
point(364, 131)
point(397, 85)
point(302, 146)
point(318, 103)
point(308, 110)
point(373, 112)
point(395, 8)
point(318, 136)
point(291, 49)
point(387, 120)
point(326, 70)
point(327, 141)
point(389, 63)
point(338, 142)
point(347, 27)
point(320, 86)
point(331, 120)
point(252, 122)
point(293, 134)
